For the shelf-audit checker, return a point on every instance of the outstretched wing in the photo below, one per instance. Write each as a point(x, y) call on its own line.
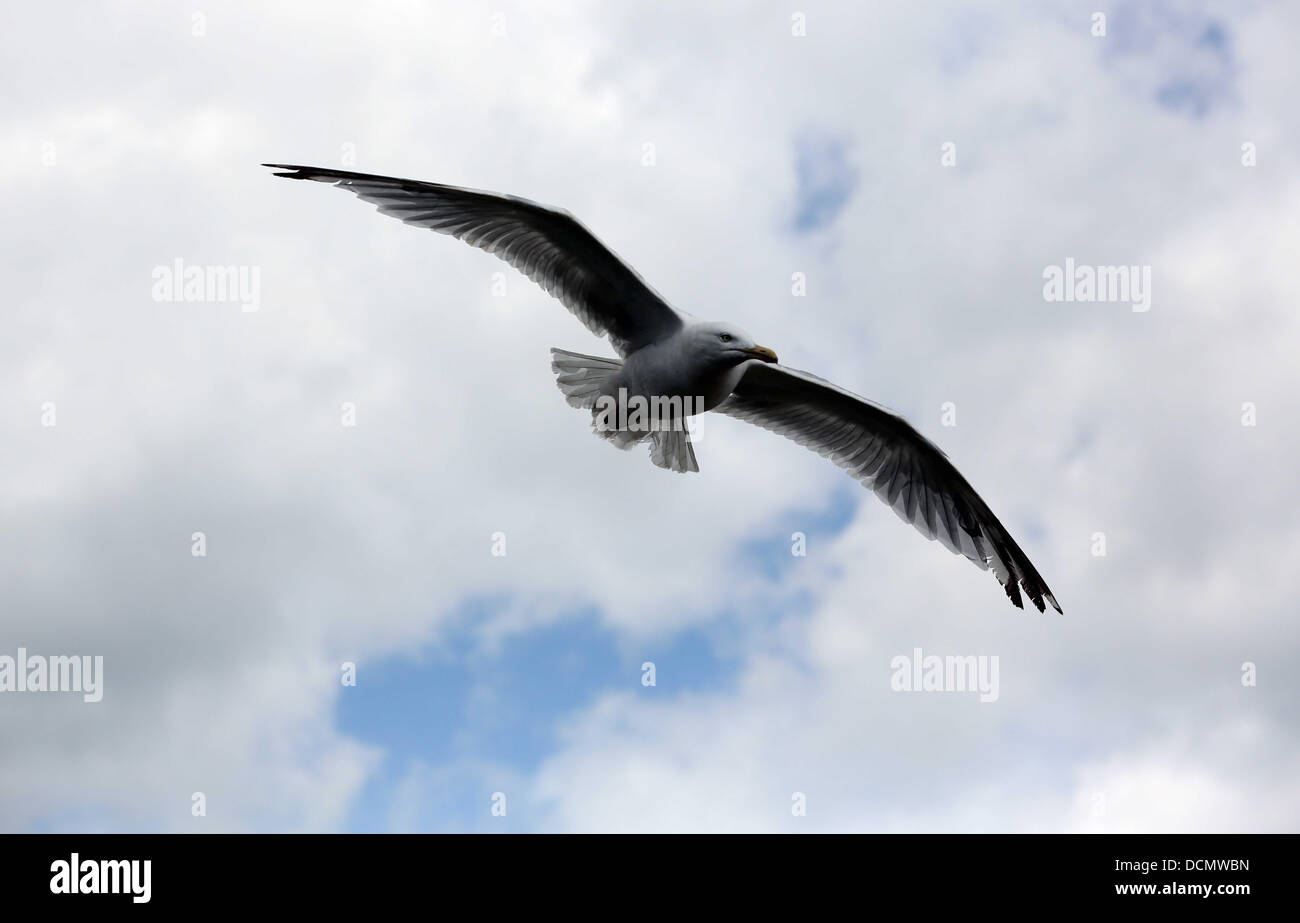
point(886, 454)
point(546, 244)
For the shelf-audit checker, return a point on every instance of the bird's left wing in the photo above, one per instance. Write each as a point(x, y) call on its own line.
point(548, 245)
point(902, 467)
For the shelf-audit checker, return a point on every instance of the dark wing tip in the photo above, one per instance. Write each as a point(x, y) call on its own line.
point(292, 171)
point(1040, 594)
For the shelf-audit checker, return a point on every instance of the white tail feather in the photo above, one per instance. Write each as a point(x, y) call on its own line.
point(672, 449)
point(582, 378)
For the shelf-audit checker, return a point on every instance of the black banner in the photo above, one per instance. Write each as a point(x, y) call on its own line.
point(328, 872)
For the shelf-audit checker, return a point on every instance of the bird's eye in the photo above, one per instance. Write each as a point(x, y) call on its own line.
point(724, 337)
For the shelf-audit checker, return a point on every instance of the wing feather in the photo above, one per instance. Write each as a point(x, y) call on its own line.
point(548, 245)
point(907, 471)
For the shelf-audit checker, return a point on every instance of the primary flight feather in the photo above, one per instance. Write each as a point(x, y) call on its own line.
point(677, 366)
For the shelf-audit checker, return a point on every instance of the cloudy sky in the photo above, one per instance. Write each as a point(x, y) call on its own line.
point(921, 165)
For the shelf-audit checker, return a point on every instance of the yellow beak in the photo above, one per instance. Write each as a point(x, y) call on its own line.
point(761, 352)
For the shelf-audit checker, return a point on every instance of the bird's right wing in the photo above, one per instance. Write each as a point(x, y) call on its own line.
point(882, 450)
point(546, 244)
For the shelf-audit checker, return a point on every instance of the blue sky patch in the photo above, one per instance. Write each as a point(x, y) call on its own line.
point(825, 180)
point(457, 705)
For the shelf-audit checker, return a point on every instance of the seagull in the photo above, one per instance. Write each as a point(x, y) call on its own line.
point(684, 366)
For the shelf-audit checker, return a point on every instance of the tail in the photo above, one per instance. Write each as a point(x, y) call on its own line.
point(581, 378)
point(672, 449)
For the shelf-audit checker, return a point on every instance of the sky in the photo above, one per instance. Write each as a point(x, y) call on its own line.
point(239, 501)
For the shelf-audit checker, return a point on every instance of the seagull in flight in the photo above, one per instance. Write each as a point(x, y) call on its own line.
point(669, 359)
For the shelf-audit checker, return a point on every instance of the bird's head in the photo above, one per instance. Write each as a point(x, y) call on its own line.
point(727, 345)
